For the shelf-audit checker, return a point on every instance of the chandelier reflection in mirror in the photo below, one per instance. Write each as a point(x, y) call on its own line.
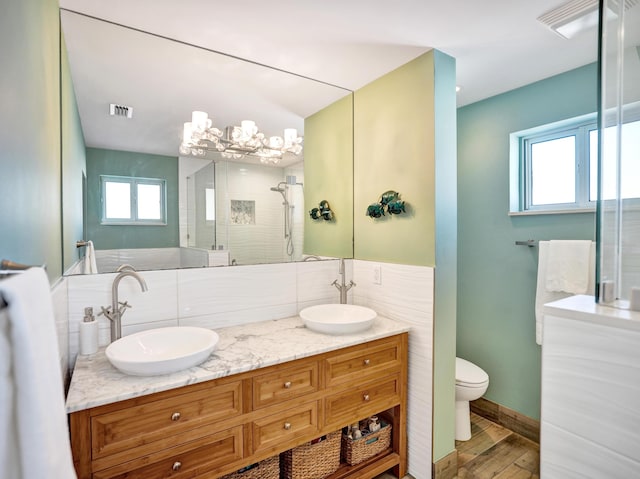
point(199, 137)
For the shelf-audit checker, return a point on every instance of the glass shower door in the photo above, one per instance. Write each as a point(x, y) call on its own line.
point(618, 186)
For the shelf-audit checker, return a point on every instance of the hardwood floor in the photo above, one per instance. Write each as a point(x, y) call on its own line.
point(495, 452)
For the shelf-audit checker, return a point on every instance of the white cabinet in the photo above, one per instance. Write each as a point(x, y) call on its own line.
point(590, 418)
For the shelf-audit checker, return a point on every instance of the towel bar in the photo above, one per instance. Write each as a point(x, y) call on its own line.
point(7, 266)
point(529, 243)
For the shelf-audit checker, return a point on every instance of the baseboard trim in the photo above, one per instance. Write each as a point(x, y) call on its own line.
point(447, 467)
point(506, 417)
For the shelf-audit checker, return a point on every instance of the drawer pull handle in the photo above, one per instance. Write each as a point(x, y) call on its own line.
point(287, 425)
point(366, 362)
point(175, 416)
point(287, 385)
point(176, 466)
point(366, 397)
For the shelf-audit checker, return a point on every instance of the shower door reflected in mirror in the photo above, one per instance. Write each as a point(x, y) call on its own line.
point(200, 208)
point(253, 212)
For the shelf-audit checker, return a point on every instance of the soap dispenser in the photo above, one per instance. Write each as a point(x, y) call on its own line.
point(88, 333)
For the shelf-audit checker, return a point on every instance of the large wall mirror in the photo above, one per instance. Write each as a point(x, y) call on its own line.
point(226, 210)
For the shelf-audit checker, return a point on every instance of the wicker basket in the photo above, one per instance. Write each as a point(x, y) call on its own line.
point(355, 451)
point(267, 469)
point(312, 461)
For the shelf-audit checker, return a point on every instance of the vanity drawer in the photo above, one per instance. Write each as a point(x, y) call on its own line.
point(189, 460)
point(284, 384)
point(146, 423)
point(373, 359)
point(362, 400)
point(277, 430)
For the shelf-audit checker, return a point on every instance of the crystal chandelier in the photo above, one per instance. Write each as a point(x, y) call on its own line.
point(199, 137)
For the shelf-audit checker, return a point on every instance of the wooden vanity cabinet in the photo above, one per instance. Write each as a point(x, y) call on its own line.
point(216, 427)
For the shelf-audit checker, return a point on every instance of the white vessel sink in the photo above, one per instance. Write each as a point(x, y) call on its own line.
point(338, 318)
point(162, 350)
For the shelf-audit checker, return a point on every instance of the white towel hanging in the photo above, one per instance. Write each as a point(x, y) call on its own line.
point(568, 264)
point(544, 295)
point(90, 266)
point(34, 443)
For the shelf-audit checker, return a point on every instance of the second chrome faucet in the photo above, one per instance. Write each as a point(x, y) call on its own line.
point(342, 286)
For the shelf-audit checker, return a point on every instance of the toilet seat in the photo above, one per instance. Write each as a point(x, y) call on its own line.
point(470, 375)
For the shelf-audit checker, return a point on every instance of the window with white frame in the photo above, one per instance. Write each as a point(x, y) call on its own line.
point(128, 200)
point(554, 168)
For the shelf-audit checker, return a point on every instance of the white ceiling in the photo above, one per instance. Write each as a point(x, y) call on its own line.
point(498, 45)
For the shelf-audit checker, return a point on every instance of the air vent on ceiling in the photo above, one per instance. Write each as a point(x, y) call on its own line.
point(575, 16)
point(120, 110)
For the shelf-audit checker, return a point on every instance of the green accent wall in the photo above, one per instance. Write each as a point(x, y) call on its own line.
point(496, 278)
point(394, 149)
point(328, 175)
point(30, 164)
point(124, 163)
point(73, 167)
point(405, 140)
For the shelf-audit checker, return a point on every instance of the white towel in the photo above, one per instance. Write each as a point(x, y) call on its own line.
point(90, 266)
point(568, 266)
point(37, 435)
point(543, 295)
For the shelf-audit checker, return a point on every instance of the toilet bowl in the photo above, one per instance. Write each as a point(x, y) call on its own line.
point(471, 384)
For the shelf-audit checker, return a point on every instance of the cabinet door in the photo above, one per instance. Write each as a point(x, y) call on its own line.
point(187, 460)
point(287, 427)
point(284, 384)
point(361, 400)
point(120, 430)
point(359, 363)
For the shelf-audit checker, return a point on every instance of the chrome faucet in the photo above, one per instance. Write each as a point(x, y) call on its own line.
point(115, 312)
point(342, 287)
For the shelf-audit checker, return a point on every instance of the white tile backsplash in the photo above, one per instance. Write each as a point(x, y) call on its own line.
point(245, 316)
point(406, 293)
point(315, 278)
point(159, 303)
point(61, 316)
point(219, 290)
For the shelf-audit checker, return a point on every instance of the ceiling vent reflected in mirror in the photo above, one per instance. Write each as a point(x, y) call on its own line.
point(120, 110)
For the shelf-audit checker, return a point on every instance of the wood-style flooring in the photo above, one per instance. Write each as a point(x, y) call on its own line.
point(496, 452)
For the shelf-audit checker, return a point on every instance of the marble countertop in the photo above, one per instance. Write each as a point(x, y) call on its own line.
point(96, 382)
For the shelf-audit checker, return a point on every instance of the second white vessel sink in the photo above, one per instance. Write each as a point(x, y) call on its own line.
point(338, 318)
point(161, 350)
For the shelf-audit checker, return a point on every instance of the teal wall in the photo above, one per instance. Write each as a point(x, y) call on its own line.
point(496, 278)
point(445, 283)
point(73, 167)
point(124, 163)
point(30, 162)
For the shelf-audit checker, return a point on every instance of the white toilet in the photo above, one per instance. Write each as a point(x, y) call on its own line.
point(471, 383)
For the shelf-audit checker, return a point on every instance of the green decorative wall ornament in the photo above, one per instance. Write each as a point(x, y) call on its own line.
point(323, 211)
point(389, 201)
